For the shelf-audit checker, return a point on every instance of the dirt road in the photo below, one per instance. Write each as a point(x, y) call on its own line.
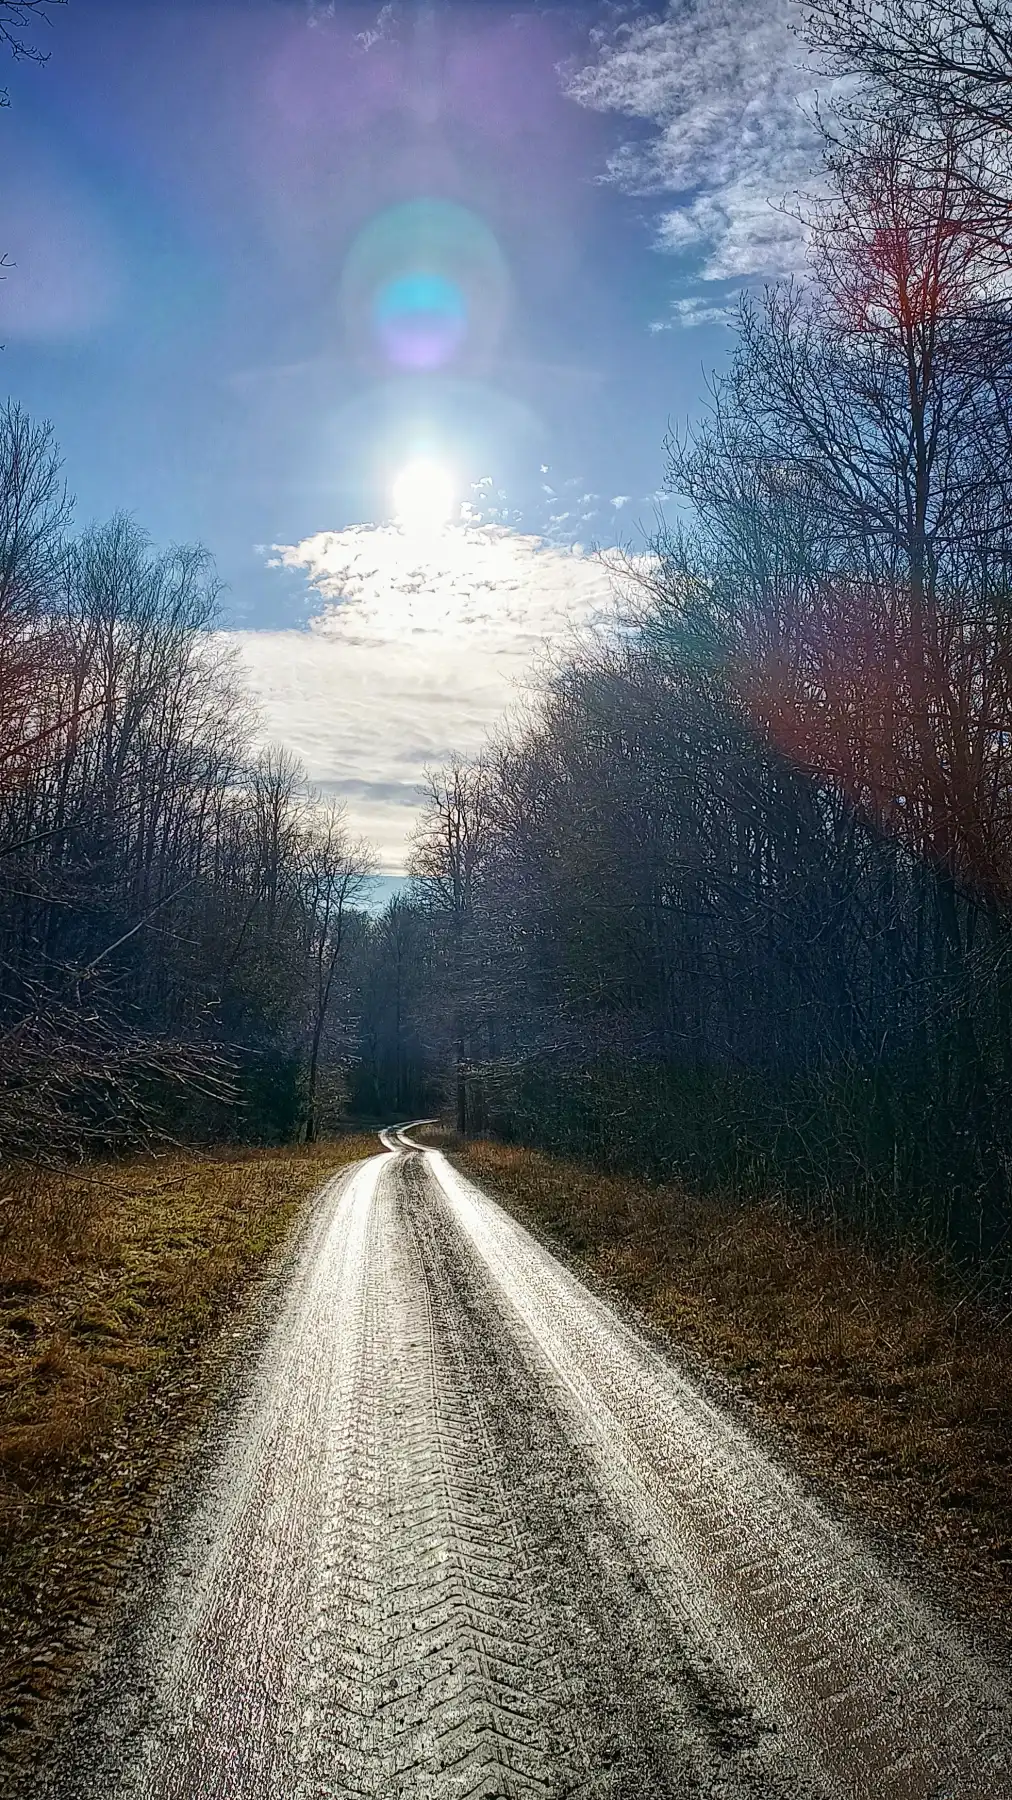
point(464, 1532)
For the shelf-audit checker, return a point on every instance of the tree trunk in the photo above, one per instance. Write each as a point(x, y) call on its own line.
point(461, 1090)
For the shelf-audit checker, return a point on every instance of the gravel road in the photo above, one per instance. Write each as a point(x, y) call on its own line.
point(461, 1531)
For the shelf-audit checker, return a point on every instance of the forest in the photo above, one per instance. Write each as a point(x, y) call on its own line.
point(176, 908)
point(732, 902)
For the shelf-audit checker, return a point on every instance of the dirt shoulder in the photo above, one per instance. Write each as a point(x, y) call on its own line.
point(117, 1284)
point(891, 1389)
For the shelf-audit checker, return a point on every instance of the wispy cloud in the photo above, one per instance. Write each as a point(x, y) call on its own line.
point(729, 90)
point(418, 648)
point(699, 309)
point(374, 34)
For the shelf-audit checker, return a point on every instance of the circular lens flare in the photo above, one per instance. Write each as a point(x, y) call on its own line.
point(420, 320)
point(425, 288)
point(423, 497)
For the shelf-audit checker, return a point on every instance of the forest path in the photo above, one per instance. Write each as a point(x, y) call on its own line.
point(464, 1532)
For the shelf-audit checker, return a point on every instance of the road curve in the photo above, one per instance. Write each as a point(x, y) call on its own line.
point(463, 1532)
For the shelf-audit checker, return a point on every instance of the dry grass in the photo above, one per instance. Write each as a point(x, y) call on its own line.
point(113, 1280)
point(895, 1390)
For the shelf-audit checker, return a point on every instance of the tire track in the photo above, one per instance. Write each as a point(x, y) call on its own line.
point(888, 1700)
point(645, 1696)
point(465, 1536)
point(200, 1694)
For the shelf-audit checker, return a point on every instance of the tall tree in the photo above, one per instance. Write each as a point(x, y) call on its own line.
point(336, 871)
point(446, 864)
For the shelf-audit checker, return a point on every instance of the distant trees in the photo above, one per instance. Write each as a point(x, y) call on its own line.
point(173, 908)
point(335, 876)
point(401, 1046)
point(450, 846)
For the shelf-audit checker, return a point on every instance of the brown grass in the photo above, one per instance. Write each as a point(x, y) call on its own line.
point(113, 1282)
point(894, 1389)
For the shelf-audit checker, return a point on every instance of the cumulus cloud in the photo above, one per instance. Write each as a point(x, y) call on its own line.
point(418, 648)
point(729, 90)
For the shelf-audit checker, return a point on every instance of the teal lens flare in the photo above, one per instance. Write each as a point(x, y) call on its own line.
point(420, 320)
point(425, 288)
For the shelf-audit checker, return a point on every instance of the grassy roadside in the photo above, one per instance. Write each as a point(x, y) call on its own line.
point(892, 1388)
point(114, 1282)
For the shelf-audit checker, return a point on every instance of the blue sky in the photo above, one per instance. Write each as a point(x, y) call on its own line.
point(213, 215)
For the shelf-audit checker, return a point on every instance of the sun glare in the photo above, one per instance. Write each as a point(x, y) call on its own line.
point(423, 496)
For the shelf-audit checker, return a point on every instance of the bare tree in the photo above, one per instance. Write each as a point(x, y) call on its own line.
point(946, 69)
point(740, 888)
point(446, 864)
point(336, 871)
point(34, 514)
point(951, 58)
point(159, 949)
point(884, 401)
point(19, 20)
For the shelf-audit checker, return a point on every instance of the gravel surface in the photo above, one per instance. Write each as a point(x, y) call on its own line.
point(463, 1532)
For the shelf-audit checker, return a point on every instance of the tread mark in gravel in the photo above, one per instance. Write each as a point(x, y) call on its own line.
point(461, 1535)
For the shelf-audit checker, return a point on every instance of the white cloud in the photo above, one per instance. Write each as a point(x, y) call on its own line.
point(419, 647)
point(695, 309)
point(373, 35)
point(729, 89)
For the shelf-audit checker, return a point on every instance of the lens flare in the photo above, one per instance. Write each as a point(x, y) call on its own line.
point(425, 289)
point(421, 320)
point(423, 497)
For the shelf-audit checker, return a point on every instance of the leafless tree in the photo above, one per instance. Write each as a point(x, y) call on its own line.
point(19, 22)
point(160, 947)
point(336, 871)
point(951, 58)
point(446, 864)
point(740, 900)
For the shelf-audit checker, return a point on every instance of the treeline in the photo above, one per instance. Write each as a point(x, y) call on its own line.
point(735, 902)
point(176, 911)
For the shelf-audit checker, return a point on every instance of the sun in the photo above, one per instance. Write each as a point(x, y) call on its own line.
point(423, 496)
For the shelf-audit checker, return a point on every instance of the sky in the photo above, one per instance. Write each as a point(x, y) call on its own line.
point(263, 258)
